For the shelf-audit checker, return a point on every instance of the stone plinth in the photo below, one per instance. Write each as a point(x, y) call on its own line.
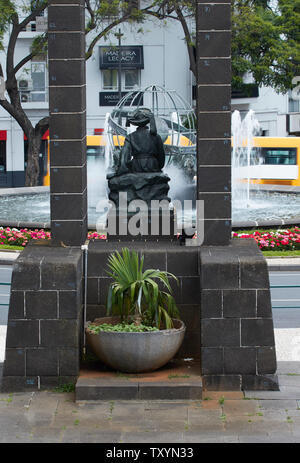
point(214, 118)
point(67, 107)
point(45, 319)
point(237, 334)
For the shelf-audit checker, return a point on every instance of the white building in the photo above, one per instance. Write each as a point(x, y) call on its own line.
point(157, 55)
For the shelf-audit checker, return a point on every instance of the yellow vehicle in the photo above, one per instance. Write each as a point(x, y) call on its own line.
point(280, 157)
point(96, 148)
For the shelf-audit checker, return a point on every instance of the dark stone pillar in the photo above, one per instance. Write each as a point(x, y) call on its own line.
point(67, 101)
point(237, 333)
point(44, 320)
point(214, 118)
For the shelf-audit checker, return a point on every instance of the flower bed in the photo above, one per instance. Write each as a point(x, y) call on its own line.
point(14, 237)
point(280, 240)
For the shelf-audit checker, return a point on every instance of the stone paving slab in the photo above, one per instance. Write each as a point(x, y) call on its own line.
point(49, 416)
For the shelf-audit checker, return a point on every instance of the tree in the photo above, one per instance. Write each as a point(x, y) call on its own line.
point(14, 18)
point(265, 38)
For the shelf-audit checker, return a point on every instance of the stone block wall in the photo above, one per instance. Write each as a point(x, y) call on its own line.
point(238, 347)
point(179, 260)
point(45, 319)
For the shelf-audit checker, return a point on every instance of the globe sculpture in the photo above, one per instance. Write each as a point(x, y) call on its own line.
point(175, 123)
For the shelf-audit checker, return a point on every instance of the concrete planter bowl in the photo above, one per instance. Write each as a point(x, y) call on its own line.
point(136, 352)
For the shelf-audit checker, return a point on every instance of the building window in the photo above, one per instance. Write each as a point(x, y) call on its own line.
point(110, 79)
point(38, 76)
point(32, 87)
point(280, 156)
point(293, 104)
point(130, 79)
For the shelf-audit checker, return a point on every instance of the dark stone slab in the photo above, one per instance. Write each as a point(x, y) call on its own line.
point(251, 277)
point(59, 333)
point(213, 16)
point(69, 232)
point(67, 45)
point(220, 332)
point(18, 383)
point(68, 361)
point(211, 303)
point(167, 391)
point(190, 290)
point(66, 18)
point(221, 382)
point(214, 43)
point(66, 72)
point(266, 360)
point(257, 332)
point(214, 179)
point(68, 206)
point(50, 382)
point(68, 180)
point(237, 303)
point(217, 205)
point(61, 270)
point(183, 261)
point(264, 306)
point(214, 152)
point(99, 389)
point(17, 305)
point(67, 152)
point(260, 383)
point(69, 301)
point(41, 361)
point(15, 360)
point(93, 296)
point(41, 304)
point(219, 268)
point(217, 232)
point(67, 99)
point(239, 360)
point(214, 125)
point(26, 273)
point(213, 71)
point(68, 126)
point(22, 333)
point(212, 360)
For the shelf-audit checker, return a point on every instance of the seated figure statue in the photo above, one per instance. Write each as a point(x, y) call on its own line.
point(143, 150)
point(142, 159)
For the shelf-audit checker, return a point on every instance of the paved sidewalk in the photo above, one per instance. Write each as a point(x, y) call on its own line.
point(254, 417)
point(49, 416)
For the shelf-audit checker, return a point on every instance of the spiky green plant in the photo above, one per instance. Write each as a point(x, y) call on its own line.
point(135, 294)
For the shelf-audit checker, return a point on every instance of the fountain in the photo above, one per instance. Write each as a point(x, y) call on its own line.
point(175, 121)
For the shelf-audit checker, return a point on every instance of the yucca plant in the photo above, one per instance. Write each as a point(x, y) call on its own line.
point(135, 294)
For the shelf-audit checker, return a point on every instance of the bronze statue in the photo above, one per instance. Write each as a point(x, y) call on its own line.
point(143, 150)
point(142, 158)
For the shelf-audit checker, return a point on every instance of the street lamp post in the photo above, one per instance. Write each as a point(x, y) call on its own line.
point(119, 36)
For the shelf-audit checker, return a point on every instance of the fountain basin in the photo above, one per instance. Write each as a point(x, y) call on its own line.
point(270, 205)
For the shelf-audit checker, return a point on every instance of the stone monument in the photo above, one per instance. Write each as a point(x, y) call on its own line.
point(223, 292)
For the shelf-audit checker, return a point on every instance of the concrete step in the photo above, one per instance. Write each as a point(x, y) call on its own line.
point(178, 380)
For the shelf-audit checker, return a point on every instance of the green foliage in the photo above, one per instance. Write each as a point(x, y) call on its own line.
point(67, 387)
point(136, 293)
point(265, 42)
point(120, 328)
point(265, 38)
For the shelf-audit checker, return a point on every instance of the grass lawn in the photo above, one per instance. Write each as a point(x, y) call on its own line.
point(11, 248)
point(281, 253)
